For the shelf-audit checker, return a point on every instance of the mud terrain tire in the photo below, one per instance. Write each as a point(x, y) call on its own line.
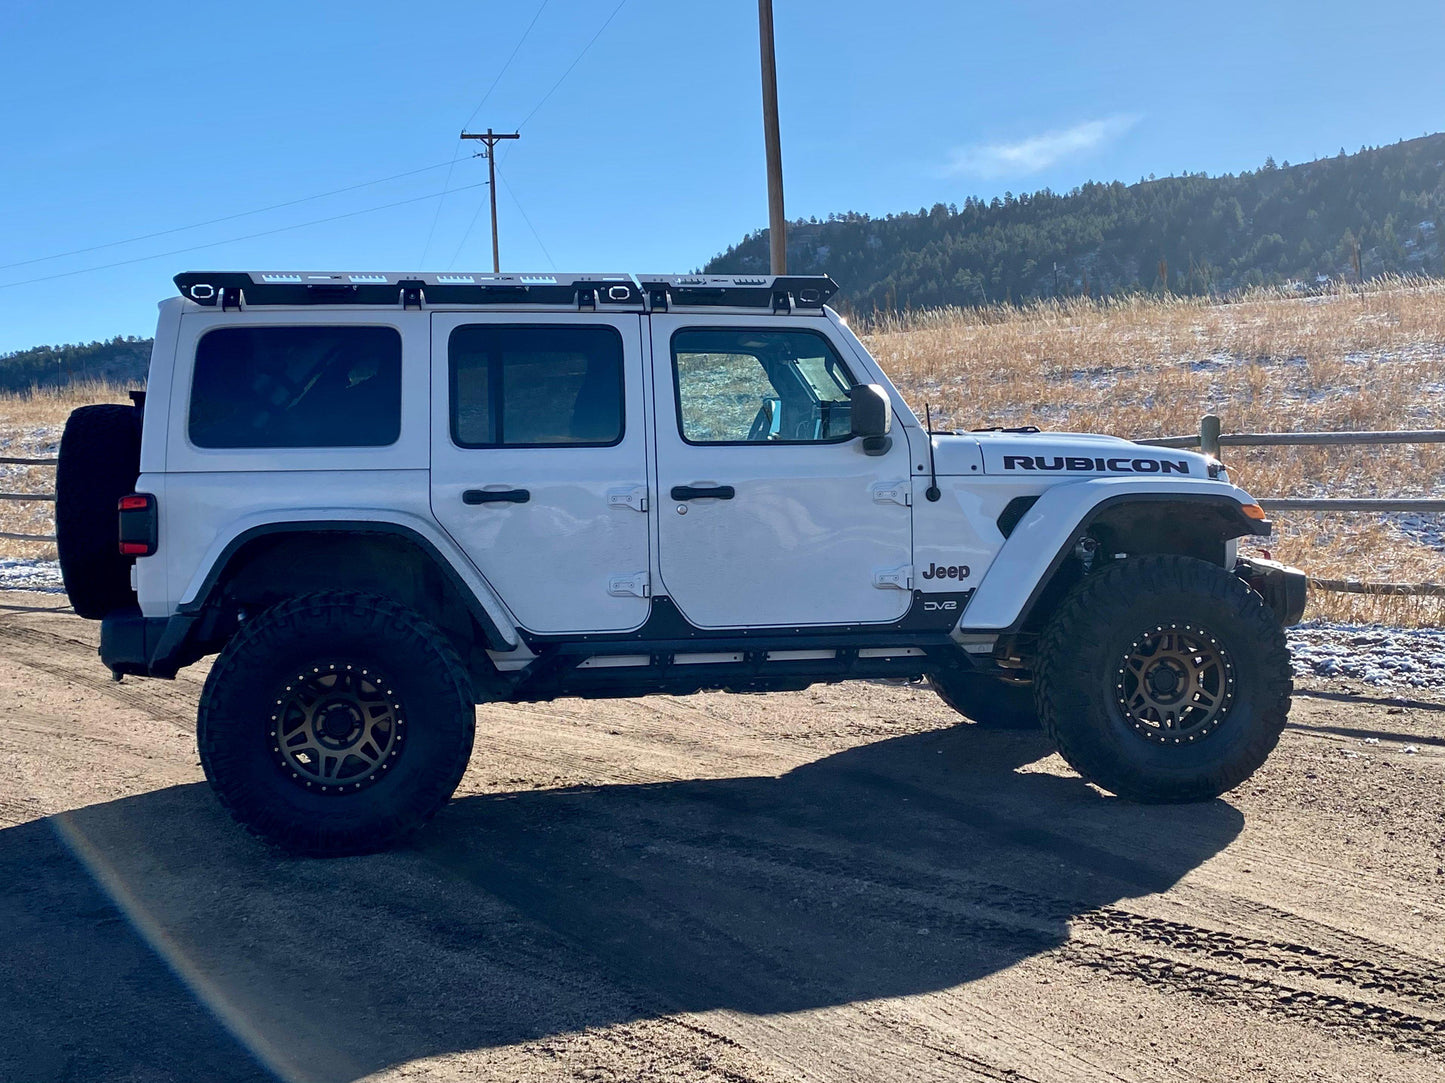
point(1088, 688)
point(336, 723)
point(987, 701)
point(99, 464)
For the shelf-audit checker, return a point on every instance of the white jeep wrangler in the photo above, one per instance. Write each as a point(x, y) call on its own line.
point(386, 498)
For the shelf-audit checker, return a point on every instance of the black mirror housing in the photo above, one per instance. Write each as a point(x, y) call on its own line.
point(872, 416)
point(871, 412)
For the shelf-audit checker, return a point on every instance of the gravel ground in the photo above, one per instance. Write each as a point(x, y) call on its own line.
point(844, 883)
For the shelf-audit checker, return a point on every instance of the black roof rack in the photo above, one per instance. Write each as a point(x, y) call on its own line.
point(777, 293)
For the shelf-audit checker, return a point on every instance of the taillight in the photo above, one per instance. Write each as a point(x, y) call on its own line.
point(139, 525)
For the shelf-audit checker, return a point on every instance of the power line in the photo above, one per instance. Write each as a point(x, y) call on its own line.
point(537, 236)
point(467, 235)
point(621, 4)
point(233, 240)
point(223, 218)
point(447, 184)
point(507, 65)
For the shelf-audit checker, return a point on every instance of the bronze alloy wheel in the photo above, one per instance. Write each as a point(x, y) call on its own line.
point(1175, 684)
point(337, 727)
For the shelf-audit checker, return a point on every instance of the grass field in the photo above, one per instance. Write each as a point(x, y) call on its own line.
point(1354, 359)
point(1367, 359)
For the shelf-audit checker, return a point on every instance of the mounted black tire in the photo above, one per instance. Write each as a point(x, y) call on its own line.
point(336, 723)
point(99, 464)
point(987, 701)
point(1164, 679)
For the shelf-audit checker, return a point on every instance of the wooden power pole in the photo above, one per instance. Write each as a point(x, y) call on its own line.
point(491, 139)
point(777, 224)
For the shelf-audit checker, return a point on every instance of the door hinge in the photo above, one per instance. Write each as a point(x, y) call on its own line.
point(637, 585)
point(894, 578)
point(893, 492)
point(634, 497)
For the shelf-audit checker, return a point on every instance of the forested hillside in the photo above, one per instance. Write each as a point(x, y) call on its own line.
point(1378, 211)
point(121, 360)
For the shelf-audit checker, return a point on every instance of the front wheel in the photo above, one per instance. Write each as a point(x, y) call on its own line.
point(1164, 678)
point(336, 723)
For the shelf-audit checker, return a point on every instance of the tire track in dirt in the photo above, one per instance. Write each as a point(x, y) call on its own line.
point(1246, 911)
point(76, 663)
point(1409, 976)
point(1337, 1013)
point(1285, 956)
point(1027, 920)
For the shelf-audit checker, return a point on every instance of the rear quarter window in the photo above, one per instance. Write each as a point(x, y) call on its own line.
point(296, 387)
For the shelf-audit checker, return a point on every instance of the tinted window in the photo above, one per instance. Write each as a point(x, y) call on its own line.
point(310, 386)
point(535, 386)
point(750, 386)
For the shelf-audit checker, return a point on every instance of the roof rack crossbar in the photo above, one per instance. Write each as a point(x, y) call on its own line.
point(776, 293)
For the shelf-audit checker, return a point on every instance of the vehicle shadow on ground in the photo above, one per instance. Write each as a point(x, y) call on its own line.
point(909, 865)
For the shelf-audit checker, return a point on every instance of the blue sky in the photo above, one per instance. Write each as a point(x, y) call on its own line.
point(127, 119)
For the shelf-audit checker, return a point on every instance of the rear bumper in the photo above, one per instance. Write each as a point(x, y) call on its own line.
point(1284, 589)
point(145, 646)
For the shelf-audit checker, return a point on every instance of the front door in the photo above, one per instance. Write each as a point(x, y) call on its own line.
point(769, 511)
point(539, 463)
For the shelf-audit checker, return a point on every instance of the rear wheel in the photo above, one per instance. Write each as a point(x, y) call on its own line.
point(99, 464)
point(1164, 678)
point(987, 701)
point(336, 723)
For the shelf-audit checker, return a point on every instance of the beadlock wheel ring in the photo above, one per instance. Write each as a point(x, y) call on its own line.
point(1175, 684)
point(336, 727)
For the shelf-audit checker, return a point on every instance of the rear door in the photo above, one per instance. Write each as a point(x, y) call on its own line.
point(770, 513)
point(539, 464)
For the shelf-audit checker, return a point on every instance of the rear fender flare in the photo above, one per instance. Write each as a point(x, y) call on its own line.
point(483, 602)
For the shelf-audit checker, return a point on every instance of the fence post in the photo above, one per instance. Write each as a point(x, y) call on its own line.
point(1209, 435)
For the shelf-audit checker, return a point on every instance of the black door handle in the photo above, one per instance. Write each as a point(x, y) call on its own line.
point(703, 492)
point(496, 496)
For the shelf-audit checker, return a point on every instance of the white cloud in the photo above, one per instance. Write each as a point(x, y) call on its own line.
point(1037, 152)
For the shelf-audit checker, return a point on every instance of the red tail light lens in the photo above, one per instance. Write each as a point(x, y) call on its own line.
point(139, 525)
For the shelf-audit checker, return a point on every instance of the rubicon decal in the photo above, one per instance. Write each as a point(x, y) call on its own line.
point(1080, 464)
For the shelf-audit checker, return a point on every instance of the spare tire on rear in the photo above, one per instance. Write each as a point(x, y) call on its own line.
point(99, 464)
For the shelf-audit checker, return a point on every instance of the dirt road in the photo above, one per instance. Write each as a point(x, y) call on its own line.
point(838, 884)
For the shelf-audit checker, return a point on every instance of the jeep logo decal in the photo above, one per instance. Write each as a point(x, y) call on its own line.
point(1078, 463)
point(953, 571)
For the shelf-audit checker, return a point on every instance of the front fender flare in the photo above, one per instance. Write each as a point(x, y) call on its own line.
point(1043, 538)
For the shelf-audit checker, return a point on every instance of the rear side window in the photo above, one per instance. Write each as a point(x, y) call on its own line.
point(296, 387)
point(548, 386)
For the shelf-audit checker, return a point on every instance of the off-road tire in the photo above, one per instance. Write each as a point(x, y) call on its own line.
point(1084, 646)
point(99, 464)
point(424, 680)
point(987, 701)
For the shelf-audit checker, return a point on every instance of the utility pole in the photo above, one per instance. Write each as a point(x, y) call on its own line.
point(491, 139)
point(777, 224)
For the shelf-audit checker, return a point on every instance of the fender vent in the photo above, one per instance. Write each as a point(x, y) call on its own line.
point(1013, 511)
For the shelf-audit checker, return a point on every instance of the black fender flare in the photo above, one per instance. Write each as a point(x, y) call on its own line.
point(495, 637)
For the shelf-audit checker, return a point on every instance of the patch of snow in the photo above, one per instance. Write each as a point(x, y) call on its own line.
point(1370, 653)
point(21, 574)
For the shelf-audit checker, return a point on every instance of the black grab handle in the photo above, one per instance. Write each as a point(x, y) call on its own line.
point(496, 496)
point(703, 492)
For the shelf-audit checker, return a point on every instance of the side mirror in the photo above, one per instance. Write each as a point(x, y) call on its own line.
point(872, 417)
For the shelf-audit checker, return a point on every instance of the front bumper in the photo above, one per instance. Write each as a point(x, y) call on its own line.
point(1284, 589)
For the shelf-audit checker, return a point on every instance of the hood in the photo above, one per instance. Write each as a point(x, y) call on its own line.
point(1055, 454)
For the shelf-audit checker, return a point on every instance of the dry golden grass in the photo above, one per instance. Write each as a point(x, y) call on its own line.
point(30, 426)
point(1140, 367)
